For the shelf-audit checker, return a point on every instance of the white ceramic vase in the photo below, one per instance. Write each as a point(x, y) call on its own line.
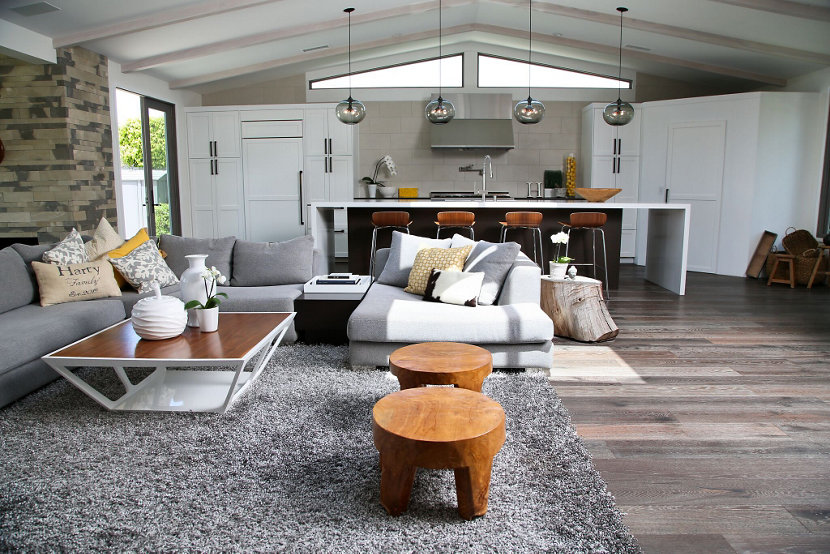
point(193, 285)
point(208, 319)
point(557, 270)
point(372, 190)
point(158, 317)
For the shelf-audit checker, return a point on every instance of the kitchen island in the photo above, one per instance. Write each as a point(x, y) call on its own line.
point(664, 258)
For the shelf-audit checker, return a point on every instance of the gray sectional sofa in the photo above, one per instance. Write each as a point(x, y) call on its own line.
point(29, 331)
point(514, 329)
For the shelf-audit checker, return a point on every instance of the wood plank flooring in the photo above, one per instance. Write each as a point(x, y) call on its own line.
point(709, 415)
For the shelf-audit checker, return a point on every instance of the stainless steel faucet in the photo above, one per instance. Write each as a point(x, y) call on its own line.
point(487, 163)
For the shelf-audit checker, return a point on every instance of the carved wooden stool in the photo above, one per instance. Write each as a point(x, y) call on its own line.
point(441, 363)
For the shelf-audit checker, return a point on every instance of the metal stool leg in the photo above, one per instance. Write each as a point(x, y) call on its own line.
point(533, 238)
point(594, 251)
point(372, 256)
point(472, 234)
point(605, 265)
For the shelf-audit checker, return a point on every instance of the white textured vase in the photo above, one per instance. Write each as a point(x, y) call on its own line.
point(557, 271)
point(208, 319)
point(193, 285)
point(159, 317)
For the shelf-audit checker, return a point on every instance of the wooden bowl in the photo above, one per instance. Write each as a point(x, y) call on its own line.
point(596, 195)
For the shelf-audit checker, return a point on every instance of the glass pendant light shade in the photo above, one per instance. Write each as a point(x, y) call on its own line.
point(618, 113)
point(350, 111)
point(529, 111)
point(440, 111)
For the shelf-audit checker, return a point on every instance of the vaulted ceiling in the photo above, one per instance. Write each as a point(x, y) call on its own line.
point(212, 44)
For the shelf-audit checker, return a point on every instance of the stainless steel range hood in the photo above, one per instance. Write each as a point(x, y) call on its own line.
point(481, 121)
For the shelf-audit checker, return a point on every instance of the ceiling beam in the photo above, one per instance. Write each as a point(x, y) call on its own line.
point(683, 32)
point(281, 34)
point(491, 29)
point(157, 19)
point(783, 7)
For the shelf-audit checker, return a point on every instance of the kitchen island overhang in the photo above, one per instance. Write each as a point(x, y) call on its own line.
point(663, 251)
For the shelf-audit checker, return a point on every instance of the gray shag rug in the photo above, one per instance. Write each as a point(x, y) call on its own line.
point(291, 466)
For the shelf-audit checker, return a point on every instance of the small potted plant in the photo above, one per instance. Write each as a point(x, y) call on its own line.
point(372, 182)
point(559, 265)
point(208, 313)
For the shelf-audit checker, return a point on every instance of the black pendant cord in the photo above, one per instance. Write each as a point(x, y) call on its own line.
point(619, 67)
point(349, 11)
point(440, 51)
point(529, 43)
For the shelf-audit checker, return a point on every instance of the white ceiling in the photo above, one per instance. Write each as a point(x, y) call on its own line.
point(213, 44)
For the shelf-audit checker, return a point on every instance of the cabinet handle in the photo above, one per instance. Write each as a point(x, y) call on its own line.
point(339, 231)
point(211, 166)
point(301, 198)
point(331, 150)
point(618, 165)
point(619, 146)
point(215, 149)
point(325, 146)
point(210, 148)
point(216, 166)
point(667, 196)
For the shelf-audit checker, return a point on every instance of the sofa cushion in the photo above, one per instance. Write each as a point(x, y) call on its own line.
point(68, 251)
point(428, 259)
point(31, 253)
point(60, 283)
point(144, 265)
point(16, 284)
point(454, 287)
point(103, 240)
point(257, 264)
point(494, 259)
point(219, 252)
point(275, 298)
point(402, 254)
point(31, 331)
point(388, 314)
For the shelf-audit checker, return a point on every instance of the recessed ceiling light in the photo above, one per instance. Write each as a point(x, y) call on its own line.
point(313, 48)
point(37, 8)
point(635, 47)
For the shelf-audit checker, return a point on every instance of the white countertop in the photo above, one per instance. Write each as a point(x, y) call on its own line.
point(501, 204)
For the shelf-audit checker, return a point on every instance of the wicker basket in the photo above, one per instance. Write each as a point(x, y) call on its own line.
point(804, 247)
point(799, 242)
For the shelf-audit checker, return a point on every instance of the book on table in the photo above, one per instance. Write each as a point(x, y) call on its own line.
point(338, 279)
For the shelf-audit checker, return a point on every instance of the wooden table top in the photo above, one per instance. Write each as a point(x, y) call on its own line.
point(238, 334)
point(441, 357)
point(439, 414)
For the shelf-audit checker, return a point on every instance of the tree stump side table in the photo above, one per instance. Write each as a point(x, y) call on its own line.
point(577, 309)
point(437, 428)
point(441, 363)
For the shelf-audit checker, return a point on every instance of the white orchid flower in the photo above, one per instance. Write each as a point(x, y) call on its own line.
point(559, 238)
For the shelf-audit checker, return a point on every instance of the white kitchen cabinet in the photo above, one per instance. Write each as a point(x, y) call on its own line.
point(213, 134)
point(216, 197)
point(325, 135)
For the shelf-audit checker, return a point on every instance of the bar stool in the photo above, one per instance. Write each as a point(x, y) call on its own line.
point(592, 221)
point(386, 220)
point(525, 220)
point(460, 220)
point(789, 279)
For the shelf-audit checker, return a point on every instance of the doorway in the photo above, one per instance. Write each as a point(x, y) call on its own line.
point(147, 144)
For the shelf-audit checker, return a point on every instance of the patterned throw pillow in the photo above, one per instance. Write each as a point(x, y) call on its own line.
point(140, 238)
point(144, 265)
point(59, 283)
point(68, 251)
point(434, 258)
point(104, 240)
point(454, 287)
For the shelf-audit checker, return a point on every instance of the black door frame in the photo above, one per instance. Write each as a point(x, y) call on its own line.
point(148, 103)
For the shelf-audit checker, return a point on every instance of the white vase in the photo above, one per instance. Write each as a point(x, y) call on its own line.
point(158, 317)
point(557, 270)
point(193, 285)
point(372, 190)
point(208, 319)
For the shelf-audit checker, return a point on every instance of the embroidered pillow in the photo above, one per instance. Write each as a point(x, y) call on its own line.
point(103, 240)
point(59, 283)
point(68, 251)
point(454, 287)
point(434, 258)
point(144, 265)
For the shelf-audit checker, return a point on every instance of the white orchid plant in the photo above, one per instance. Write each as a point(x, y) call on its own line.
point(559, 239)
point(211, 276)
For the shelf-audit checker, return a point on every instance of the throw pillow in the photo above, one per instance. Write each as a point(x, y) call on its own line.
point(59, 283)
point(140, 238)
point(68, 251)
point(259, 264)
point(493, 258)
point(402, 255)
point(144, 265)
point(219, 252)
point(454, 287)
point(434, 258)
point(103, 240)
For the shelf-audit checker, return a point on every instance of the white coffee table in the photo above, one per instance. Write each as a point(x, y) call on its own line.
point(241, 338)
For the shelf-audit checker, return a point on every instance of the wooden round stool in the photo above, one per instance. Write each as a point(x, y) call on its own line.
point(460, 220)
point(525, 220)
point(441, 363)
point(437, 428)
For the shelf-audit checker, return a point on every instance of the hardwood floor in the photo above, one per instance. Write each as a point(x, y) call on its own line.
point(709, 415)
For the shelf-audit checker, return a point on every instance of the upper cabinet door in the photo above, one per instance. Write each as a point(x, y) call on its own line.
point(199, 135)
point(340, 135)
point(629, 136)
point(315, 132)
point(226, 129)
point(603, 136)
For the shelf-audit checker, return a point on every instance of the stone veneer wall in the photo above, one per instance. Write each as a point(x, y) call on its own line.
point(55, 124)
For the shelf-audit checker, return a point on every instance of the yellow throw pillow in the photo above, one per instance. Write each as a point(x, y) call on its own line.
point(59, 283)
point(140, 238)
point(104, 240)
point(434, 258)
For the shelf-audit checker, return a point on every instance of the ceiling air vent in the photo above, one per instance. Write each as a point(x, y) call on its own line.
point(38, 8)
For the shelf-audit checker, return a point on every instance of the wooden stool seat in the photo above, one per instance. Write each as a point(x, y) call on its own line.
point(525, 220)
point(437, 428)
point(787, 259)
point(386, 220)
point(590, 221)
point(441, 363)
point(462, 220)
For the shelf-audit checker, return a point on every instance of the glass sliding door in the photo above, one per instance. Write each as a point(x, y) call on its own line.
point(149, 174)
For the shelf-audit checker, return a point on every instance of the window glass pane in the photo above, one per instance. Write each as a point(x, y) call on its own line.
point(502, 72)
point(130, 141)
point(161, 177)
point(410, 75)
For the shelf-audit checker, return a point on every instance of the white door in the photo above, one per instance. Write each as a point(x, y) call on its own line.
point(230, 207)
point(273, 188)
point(201, 198)
point(199, 135)
point(226, 128)
point(315, 132)
point(694, 175)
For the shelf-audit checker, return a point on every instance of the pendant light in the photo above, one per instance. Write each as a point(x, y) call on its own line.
point(439, 111)
point(619, 112)
point(529, 111)
point(350, 111)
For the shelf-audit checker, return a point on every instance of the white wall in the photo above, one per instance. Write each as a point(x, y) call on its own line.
point(155, 88)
